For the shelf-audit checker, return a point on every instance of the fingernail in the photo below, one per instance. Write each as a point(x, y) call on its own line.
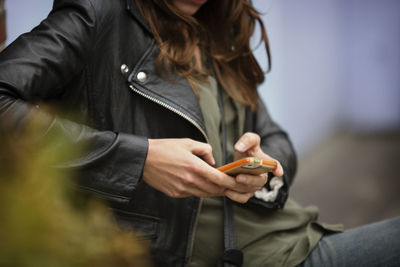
point(240, 146)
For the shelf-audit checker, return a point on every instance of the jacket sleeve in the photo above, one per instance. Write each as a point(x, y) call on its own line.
point(275, 142)
point(36, 67)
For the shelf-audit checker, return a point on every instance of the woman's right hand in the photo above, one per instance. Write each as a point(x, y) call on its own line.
point(182, 168)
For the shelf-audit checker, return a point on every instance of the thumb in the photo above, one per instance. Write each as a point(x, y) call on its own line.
point(203, 150)
point(248, 141)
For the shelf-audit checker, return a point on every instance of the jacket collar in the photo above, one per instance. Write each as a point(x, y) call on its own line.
point(132, 8)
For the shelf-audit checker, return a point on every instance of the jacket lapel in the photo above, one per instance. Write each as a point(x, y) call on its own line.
point(175, 93)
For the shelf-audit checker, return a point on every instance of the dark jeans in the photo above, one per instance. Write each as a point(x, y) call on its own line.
point(376, 244)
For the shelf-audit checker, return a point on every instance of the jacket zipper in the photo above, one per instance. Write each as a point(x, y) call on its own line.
point(180, 113)
point(193, 122)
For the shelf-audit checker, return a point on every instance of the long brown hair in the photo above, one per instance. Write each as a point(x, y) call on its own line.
point(222, 29)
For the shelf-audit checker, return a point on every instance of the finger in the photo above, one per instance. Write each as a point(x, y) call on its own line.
point(209, 187)
point(238, 197)
point(248, 141)
point(219, 178)
point(203, 150)
point(213, 175)
point(241, 188)
point(203, 184)
point(254, 183)
point(278, 172)
point(195, 191)
point(252, 180)
point(185, 189)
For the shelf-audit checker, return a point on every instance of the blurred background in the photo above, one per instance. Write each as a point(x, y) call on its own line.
point(335, 88)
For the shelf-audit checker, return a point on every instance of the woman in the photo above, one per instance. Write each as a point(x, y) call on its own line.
point(155, 82)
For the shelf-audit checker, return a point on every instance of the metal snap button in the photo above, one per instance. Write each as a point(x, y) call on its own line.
point(141, 77)
point(124, 69)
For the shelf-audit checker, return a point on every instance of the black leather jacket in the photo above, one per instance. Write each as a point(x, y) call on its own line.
point(96, 58)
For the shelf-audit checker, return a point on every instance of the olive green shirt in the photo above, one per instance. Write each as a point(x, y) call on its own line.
point(267, 237)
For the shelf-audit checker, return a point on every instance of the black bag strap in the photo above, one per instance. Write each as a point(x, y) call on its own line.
point(231, 257)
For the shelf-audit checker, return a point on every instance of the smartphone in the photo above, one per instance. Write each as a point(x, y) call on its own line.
point(250, 165)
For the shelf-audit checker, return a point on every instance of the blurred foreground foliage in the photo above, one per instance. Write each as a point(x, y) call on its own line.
point(44, 221)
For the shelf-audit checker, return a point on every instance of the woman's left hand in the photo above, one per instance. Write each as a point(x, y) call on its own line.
point(249, 146)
